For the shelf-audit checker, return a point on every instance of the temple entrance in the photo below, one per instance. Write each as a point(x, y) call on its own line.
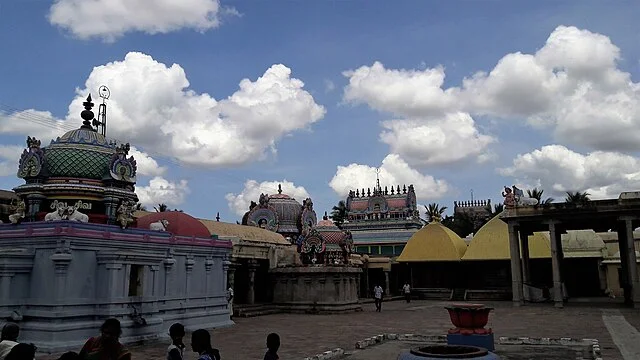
point(581, 277)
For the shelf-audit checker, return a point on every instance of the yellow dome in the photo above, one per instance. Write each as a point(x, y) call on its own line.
point(491, 242)
point(434, 242)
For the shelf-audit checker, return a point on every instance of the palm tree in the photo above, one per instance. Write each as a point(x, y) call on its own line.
point(577, 198)
point(339, 213)
point(461, 223)
point(161, 208)
point(536, 193)
point(141, 207)
point(497, 209)
point(434, 212)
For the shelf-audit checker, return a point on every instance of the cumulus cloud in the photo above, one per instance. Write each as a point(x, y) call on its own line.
point(9, 159)
point(239, 203)
point(111, 19)
point(147, 166)
point(571, 85)
point(393, 171)
point(557, 170)
point(152, 107)
point(163, 191)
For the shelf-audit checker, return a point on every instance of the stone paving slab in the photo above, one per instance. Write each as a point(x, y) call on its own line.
point(391, 350)
point(306, 335)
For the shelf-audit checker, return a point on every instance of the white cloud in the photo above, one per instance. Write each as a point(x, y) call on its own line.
point(111, 19)
point(151, 107)
point(147, 165)
point(572, 84)
point(163, 191)
point(9, 159)
point(239, 203)
point(557, 170)
point(393, 171)
point(449, 139)
point(329, 86)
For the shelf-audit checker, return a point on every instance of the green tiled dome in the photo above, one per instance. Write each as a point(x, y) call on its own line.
point(81, 153)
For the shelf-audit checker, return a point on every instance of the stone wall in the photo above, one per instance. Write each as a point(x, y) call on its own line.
point(60, 280)
point(322, 289)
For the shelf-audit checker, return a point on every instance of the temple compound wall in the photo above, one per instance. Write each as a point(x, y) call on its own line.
point(59, 280)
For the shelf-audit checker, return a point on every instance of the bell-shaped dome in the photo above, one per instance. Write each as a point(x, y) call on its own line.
point(81, 153)
point(434, 242)
point(288, 211)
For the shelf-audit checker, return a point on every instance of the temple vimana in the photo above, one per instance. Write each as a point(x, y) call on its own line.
point(73, 222)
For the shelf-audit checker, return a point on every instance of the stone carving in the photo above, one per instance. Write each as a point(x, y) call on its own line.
point(123, 168)
point(74, 215)
point(31, 160)
point(19, 210)
point(160, 225)
point(514, 197)
point(59, 214)
point(125, 214)
point(307, 204)
point(312, 247)
point(264, 200)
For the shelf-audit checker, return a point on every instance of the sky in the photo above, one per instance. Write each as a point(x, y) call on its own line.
point(224, 100)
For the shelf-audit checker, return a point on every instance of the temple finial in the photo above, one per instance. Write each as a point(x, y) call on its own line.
point(86, 114)
point(279, 188)
point(218, 216)
point(325, 217)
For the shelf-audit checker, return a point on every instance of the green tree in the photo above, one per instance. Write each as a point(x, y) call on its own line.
point(141, 207)
point(577, 197)
point(497, 209)
point(434, 212)
point(460, 223)
point(536, 193)
point(339, 213)
point(161, 208)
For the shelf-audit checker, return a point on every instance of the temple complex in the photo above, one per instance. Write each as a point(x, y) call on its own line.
point(72, 254)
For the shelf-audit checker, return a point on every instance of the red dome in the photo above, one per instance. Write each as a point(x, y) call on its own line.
point(180, 224)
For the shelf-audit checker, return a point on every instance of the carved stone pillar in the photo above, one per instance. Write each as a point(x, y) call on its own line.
point(208, 265)
point(251, 295)
point(34, 206)
point(152, 289)
point(386, 283)
point(189, 267)
point(114, 290)
point(61, 261)
point(629, 262)
point(5, 285)
point(516, 273)
point(526, 273)
point(168, 274)
point(556, 261)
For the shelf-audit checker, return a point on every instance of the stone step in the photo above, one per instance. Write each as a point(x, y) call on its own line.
point(258, 312)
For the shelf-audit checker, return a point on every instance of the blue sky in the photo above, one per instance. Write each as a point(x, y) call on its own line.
point(46, 58)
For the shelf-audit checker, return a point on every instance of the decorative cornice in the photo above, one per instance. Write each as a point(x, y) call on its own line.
point(16, 261)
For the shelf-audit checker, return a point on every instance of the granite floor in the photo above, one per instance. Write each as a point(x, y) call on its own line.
point(305, 335)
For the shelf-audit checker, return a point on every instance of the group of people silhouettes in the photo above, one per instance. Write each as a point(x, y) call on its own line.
point(107, 345)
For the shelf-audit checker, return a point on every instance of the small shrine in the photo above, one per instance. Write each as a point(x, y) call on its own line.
point(325, 244)
point(80, 176)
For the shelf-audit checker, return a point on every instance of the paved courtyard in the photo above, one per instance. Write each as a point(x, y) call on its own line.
point(305, 335)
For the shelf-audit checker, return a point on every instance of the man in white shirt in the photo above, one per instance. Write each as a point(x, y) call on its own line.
point(8, 339)
point(229, 302)
point(377, 295)
point(406, 290)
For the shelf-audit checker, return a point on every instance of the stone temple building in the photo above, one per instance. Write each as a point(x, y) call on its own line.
point(71, 256)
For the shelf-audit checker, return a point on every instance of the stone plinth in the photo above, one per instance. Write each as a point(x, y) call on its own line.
point(316, 289)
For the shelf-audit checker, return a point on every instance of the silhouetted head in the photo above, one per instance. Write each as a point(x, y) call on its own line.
point(176, 331)
point(273, 342)
point(22, 352)
point(71, 355)
point(10, 331)
point(111, 330)
point(201, 341)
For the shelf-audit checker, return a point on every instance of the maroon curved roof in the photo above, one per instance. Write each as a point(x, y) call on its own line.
point(180, 224)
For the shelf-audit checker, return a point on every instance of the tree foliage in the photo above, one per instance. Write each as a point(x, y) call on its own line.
point(434, 212)
point(339, 213)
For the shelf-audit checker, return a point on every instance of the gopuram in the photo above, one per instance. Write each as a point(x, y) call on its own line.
point(71, 257)
point(326, 278)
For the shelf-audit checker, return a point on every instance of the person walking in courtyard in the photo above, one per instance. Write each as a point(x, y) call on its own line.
point(201, 343)
point(8, 339)
point(230, 301)
point(406, 290)
point(377, 295)
point(176, 349)
point(273, 344)
point(106, 346)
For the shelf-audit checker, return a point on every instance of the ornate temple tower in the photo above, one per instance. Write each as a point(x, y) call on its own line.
point(282, 214)
point(382, 220)
point(80, 169)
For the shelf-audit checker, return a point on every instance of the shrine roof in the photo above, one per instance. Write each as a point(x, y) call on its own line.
point(434, 242)
point(179, 223)
point(491, 242)
point(244, 232)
